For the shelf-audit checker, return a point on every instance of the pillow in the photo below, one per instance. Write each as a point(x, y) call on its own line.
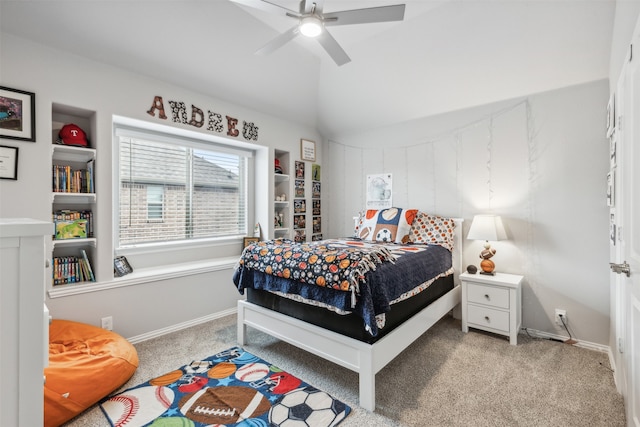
point(432, 229)
point(386, 225)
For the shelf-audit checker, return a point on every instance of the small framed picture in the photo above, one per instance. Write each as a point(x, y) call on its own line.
point(307, 150)
point(611, 115)
point(8, 162)
point(249, 240)
point(121, 266)
point(611, 189)
point(17, 114)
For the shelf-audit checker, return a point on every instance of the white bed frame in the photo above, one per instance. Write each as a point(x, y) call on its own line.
point(363, 358)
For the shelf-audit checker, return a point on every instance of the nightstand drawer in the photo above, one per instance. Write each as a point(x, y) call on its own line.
point(488, 295)
point(488, 318)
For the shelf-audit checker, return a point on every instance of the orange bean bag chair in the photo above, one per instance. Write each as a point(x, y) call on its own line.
point(86, 363)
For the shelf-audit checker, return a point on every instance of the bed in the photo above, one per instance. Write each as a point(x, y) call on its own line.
point(364, 319)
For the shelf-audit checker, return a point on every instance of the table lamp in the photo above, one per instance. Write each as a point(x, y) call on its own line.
point(487, 227)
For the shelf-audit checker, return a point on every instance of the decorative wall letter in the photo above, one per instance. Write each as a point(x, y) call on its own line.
point(231, 126)
point(157, 105)
point(249, 131)
point(215, 122)
point(196, 112)
point(178, 111)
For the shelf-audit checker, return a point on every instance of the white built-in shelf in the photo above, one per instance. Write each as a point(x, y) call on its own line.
point(89, 241)
point(72, 154)
point(279, 203)
point(73, 197)
point(279, 177)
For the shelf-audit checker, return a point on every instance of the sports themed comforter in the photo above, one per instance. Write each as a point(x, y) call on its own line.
point(348, 275)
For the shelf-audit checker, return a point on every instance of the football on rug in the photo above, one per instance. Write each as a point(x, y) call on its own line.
point(231, 388)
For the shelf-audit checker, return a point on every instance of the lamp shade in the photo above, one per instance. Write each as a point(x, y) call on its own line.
point(487, 227)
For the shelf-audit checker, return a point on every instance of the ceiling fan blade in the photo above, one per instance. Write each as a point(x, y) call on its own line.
point(332, 47)
point(279, 41)
point(365, 16)
point(268, 7)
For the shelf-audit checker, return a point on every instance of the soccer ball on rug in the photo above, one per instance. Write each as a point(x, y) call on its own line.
point(307, 407)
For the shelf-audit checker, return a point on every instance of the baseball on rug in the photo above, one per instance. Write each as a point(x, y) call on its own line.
point(231, 388)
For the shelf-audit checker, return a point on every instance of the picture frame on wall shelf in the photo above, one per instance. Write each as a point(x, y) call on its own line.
point(17, 114)
point(246, 241)
point(8, 162)
point(307, 150)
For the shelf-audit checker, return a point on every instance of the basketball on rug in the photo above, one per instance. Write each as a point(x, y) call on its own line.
point(231, 388)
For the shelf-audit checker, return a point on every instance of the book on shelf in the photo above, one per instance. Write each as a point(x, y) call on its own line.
point(72, 269)
point(68, 180)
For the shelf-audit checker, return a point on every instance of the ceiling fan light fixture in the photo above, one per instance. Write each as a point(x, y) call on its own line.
point(310, 26)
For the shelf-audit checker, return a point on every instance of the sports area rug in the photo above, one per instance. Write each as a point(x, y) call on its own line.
point(231, 388)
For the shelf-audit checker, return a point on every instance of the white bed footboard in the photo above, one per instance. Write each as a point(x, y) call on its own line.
point(365, 359)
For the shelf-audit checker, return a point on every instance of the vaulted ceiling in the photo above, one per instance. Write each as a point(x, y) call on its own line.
point(444, 56)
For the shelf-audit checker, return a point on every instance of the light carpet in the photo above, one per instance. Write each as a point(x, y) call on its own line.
point(445, 378)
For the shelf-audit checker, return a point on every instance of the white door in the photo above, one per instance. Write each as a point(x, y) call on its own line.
point(627, 210)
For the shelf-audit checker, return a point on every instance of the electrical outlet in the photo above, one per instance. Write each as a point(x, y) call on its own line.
point(562, 313)
point(107, 323)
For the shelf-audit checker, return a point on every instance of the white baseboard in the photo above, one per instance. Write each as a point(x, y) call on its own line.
point(181, 326)
point(583, 344)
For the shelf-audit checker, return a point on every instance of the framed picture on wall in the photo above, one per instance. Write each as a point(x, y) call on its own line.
point(611, 189)
point(611, 115)
point(8, 162)
point(307, 150)
point(17, 114)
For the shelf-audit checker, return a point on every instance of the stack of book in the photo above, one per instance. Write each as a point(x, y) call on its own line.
point(69, 180)
point(72, 269)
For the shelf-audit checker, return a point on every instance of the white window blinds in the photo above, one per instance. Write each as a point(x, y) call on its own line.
point(175, 189)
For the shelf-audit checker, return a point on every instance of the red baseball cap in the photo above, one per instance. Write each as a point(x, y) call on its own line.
point(71, 134)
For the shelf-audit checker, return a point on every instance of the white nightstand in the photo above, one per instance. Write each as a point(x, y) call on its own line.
point(492, 303)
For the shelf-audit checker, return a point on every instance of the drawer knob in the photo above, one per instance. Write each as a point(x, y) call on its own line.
point(487, 297)
point(487, 319)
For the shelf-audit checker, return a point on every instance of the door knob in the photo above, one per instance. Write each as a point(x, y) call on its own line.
point(620, 268)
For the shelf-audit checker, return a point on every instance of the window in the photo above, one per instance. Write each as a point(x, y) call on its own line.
point(174, 188)
point(155, 200)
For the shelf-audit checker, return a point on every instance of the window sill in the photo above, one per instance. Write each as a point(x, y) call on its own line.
point(146, 275)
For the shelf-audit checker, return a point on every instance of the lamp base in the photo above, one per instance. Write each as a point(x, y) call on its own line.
point(487, 267)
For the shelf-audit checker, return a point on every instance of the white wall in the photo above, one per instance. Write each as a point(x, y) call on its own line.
point(62, 78)
point(540, 162)
point(626, 16)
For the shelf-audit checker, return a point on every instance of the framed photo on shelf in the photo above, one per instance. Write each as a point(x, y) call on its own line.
point(307, 150)
point(121, 266)
point(17, 114)
point(8, 162)
point(246, 241)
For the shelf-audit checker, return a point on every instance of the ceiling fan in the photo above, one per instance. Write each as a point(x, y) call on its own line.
point(312, 23)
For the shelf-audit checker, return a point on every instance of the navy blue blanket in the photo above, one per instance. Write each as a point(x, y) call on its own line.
point(414, 265)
